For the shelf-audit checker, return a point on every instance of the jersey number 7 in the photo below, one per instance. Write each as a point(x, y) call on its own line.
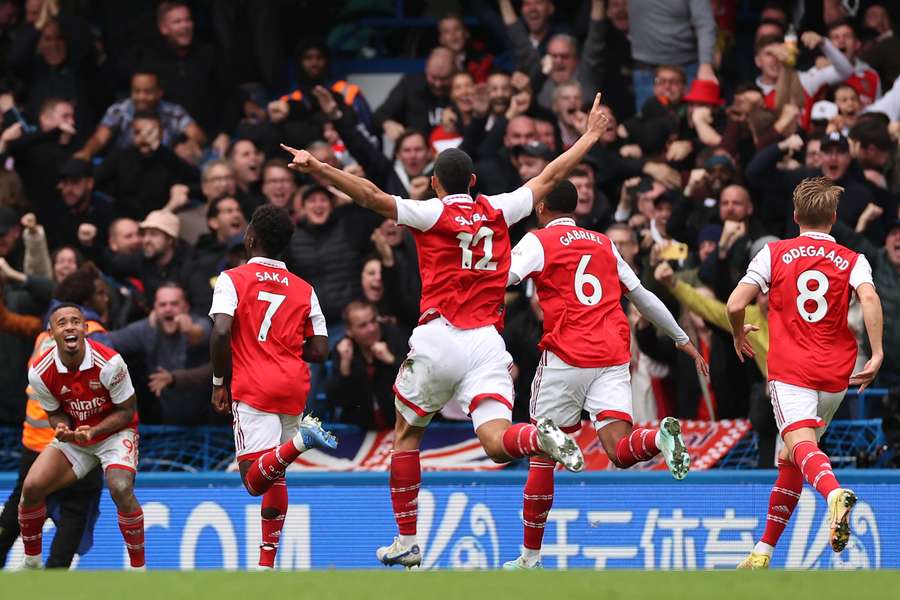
point(274, 301)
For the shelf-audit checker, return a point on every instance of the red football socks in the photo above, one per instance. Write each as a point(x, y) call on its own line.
point(31, 524)
point(132, 527)
point(521, 440)
point(270, 467)
point(406, 478)
point(538, 499)
point(816, 467)
point(274, 509)
point(638, 446)
point(782, 500)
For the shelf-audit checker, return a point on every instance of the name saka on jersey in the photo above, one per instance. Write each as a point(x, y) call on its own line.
point(276, 277)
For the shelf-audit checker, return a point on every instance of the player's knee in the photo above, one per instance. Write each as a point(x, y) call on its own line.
point(494, 450)
point(32, 492)
point(120, 489)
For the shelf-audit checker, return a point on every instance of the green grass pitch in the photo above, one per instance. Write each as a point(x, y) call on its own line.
point(494, 585)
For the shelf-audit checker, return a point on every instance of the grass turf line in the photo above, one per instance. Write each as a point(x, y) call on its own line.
point(397, 585)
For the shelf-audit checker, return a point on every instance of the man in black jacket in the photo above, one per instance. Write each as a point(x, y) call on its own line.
point(418, 99)
point(365, 365)
point(225, 220)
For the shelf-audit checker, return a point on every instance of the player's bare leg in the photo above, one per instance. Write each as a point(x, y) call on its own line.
point(405, 481)
point(49, 473)
point(120, 483)
point(626, 446)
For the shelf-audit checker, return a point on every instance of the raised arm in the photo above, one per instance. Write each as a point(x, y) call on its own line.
point(563, 164)
point(361, 191)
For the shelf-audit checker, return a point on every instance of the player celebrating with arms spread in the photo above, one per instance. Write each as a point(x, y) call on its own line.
point(586, 346)
point(267, 323)
point(455, 351)
point(86, 390)
point(811, 353)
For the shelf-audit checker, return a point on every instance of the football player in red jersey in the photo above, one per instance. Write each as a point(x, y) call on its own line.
point(812, 352)
point(456, 352)
point(586, 344)
point(86, 390)
point(267, 324)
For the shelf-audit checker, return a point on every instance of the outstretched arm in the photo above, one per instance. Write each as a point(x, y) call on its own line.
point(554, 173)
point(361, 191)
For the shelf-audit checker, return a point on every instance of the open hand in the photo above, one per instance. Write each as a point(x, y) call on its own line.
point(742, 345)
point(689, 349)
point(865, 377)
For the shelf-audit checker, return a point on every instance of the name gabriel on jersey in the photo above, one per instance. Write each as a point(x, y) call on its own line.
point(579, 234)
point(276, 277)
point(789, 256)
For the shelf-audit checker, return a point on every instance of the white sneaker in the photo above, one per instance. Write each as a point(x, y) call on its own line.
point(521, 564)
point(398, 554)
point(32, 563)
point(840, 502)
point(559, 446)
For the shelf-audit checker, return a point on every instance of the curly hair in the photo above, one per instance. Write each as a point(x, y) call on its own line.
point(273, 229)
point(78, 288)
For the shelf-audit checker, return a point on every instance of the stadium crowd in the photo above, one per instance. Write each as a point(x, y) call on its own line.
point(135, 147)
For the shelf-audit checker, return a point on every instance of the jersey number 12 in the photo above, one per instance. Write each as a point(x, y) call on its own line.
point(274, 301)
point(467, 240)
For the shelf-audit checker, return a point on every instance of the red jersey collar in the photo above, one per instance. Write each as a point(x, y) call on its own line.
point(561, 221)
point(453, 198)
point(86, 364)
point(816, 235)
point(267, 262)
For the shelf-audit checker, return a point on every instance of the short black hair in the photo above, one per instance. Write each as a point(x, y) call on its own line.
point(273, 228)
point(63, 305)
point(146, 114)
point(212, 211)
point(843, 22)
point(453, 168)
point(78, 288)
point(562, 199)
point(871, 131)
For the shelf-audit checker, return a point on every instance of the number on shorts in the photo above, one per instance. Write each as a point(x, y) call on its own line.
point(467, 240)
point(817, 295)
point(274, 301)
point(584, 279)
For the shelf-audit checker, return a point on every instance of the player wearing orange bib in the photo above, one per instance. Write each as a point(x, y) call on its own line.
point(456, 353)
point(812, 352)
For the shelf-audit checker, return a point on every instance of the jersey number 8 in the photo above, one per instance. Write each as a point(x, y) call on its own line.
point(808, 295)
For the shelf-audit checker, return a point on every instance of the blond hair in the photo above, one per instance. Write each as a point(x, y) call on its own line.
point(815, 201)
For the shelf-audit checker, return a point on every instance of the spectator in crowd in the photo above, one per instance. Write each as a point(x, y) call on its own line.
point(522, 333)
point(864, 79)
point(84, 215)
point(469, 55)
point(246, 160)
point(592, 210)
point(278, 183)
point(141, 175)
point(670, 32)
point(217, 179)
point(416, 102)
point(401, 285)
point(39, 154)
point(457, 115)
point(564, 61)
point(884, 54)
point(190, 71)
point(146, 96)
point(499, 172)
point(225, 221)
point(365, 364)
point(169, 340)
point(163, 254)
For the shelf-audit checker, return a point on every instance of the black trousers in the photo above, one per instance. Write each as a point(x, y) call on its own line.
point(74, 503)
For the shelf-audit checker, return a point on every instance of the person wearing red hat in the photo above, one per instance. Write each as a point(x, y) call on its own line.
point(704, 92)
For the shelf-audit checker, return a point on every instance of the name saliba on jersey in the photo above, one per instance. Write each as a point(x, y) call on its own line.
point(815, 251)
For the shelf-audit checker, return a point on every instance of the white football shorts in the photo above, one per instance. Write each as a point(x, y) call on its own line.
point(118, 451)
point(447, 364)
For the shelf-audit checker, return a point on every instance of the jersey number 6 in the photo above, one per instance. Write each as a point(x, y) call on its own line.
point(274, 301)
point(583, 280)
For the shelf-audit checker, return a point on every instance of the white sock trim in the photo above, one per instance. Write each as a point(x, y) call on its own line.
point(408, 540)
point(764, 548)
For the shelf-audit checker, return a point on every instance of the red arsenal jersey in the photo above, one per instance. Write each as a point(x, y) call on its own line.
point(809, 279)
point(463, 247)
point(88, 394)
point(579, 277)
point(274, 312)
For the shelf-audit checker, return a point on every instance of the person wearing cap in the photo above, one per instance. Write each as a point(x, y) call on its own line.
point(87, 213)
point(531, 158)
point(777, 186)
point(163, 254)
point(146, 95)
point(141, 175)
